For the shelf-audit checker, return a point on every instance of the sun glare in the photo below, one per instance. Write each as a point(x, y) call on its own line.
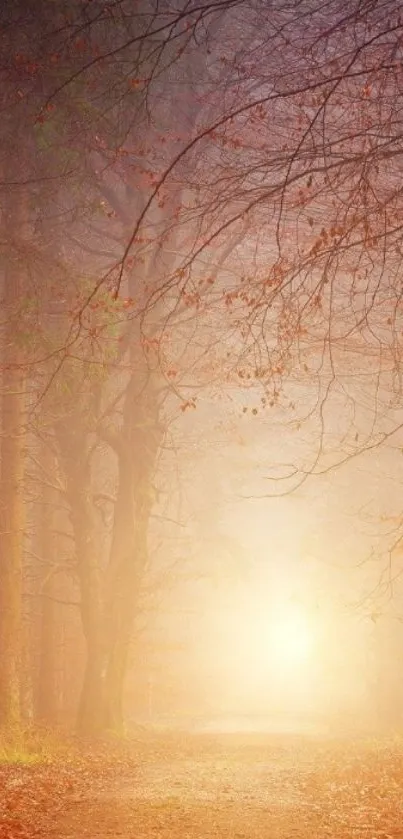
point(291, 639)
point(268, 654)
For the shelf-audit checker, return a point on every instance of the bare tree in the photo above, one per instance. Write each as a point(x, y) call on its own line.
point(218, 184)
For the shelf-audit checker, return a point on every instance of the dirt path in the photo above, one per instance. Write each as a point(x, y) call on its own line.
point(233, 786)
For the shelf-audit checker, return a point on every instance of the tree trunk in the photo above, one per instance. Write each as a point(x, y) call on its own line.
point(120, 591)
point(46, 700)
point(90, 718)
point(12, 440)
point(125, 602)
point(46, 694)
point(139, 444)
point(74, 449)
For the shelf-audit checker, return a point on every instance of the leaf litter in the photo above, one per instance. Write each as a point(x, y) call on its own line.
point(199, 786)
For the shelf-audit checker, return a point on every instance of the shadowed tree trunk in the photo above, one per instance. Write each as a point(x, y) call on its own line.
point(137, 449)
point(75, 455)
point(46, 698)
point(12, 440)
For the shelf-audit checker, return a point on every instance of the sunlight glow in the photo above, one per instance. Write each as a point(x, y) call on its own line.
point(291, 639)
point(268, 652)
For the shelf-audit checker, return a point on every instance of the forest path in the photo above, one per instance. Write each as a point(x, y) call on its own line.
point(193, 787)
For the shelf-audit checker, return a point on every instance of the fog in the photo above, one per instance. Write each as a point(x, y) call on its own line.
point(289, 614)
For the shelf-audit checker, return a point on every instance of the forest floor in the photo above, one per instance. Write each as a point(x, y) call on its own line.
point(234, 786)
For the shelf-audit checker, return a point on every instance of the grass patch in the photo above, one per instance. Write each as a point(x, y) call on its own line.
point(30, 745)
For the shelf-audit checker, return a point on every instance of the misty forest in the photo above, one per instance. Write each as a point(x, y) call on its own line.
point(201, 419)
